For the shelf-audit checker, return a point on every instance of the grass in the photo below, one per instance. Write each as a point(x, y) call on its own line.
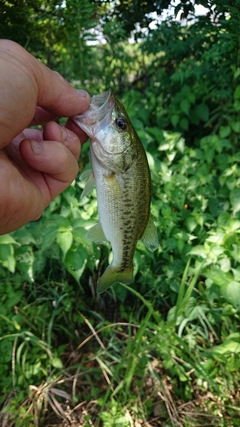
point(123, 373)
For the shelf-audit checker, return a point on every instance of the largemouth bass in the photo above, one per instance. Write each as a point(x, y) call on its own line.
point(121, 173)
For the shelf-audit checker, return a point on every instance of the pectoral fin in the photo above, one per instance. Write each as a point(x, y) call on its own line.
point(150, 236)
point(96, 234)
point(114, 184)
point(89, 177)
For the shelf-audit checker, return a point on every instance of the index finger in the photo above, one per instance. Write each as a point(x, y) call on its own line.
point(42, 117)
point(54, 93)
point(27, 83)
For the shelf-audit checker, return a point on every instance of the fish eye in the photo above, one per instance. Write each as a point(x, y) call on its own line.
point(121, 124)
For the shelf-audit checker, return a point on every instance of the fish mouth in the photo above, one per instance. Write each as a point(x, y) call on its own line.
point(100, 102)
point(100, 106)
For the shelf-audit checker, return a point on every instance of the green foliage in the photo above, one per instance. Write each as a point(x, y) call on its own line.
point(196, 97)
point(139, 13)
point(34, 24)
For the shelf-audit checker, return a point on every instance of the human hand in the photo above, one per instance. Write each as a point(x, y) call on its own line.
point(35, 165)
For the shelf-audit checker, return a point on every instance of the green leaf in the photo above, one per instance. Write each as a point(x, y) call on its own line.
point(190, 224)
point(64, 240)
point(218, 276)
point(56, 363)
point(75, 262)
point(224, 131)
point(7, 258)
point(202, 112)
point(79, 235)
point(223, 219)
point(228, 346)
point(156, 133)
point(185, 106)
point(235, 252)
point(7, 239)
point(235, 199)
point(174, 119)
point(186, 90)
point(231, 292)
point(236, 126)
point(198, 250)
point(236, 94)
point(184, 123)
point(25, 236)
point(49, 236)
point(6, 351)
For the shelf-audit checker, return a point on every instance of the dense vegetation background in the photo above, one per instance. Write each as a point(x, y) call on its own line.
point(164, 351)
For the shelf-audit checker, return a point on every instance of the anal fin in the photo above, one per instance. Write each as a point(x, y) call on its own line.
point(96, 234)
point(150, 236)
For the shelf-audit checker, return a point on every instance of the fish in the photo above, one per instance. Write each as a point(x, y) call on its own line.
point(121, 174)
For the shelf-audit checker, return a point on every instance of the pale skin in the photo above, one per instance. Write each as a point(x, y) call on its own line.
point(35, 165)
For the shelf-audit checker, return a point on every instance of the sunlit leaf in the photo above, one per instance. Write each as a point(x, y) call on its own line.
point(7, 258)
point(64, 240)
point(7, 239)
point(231, 292)
point(228, 346)
point(218, 276)
point(57, 363)
point(198, 250)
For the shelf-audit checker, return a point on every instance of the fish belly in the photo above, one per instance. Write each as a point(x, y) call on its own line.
point(123, 206)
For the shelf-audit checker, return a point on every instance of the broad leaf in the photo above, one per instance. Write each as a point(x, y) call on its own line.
point(64, 240)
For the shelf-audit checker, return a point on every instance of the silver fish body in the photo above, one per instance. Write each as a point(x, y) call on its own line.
point(123, 184)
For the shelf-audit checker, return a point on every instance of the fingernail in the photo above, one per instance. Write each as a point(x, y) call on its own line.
point(37, 146)
point(65, 134)
point(83, 93)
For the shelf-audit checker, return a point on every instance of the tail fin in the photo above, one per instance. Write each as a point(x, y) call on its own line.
point(112, 275)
